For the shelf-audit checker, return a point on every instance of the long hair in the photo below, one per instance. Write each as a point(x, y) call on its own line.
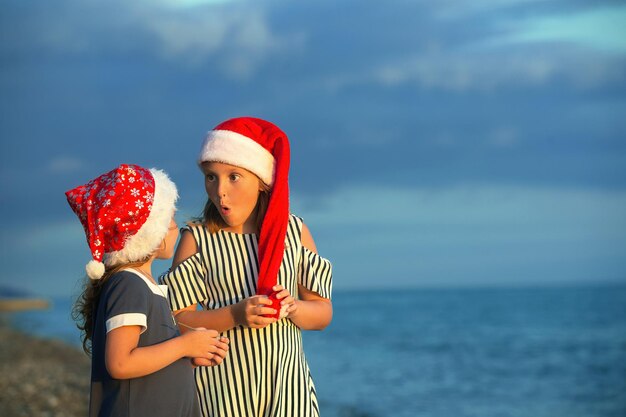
point(86, 305)
point(213, 221)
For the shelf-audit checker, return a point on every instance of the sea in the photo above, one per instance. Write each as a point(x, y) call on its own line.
point(516, 352)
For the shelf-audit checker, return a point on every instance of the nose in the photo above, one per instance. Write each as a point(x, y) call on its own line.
point(221, 189)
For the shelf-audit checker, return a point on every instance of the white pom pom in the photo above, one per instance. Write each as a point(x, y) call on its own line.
point(94, 269)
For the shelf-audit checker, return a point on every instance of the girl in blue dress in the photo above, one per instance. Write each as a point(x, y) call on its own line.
point(140, 362)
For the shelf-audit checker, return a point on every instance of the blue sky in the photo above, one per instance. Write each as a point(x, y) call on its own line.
point(434, 143)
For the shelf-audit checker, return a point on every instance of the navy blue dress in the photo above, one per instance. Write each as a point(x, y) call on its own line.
point(128, 298)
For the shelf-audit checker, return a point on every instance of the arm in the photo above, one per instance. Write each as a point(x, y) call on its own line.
point(247, 312)
point(125, 360)
point(310, 311)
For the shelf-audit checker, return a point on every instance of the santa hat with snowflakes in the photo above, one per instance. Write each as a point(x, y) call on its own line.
point(125, 213)
point(263, 149)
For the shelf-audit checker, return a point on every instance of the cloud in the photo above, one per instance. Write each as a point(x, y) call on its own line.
point(64, 165)
point(49, 236)
point(475, 234)
point(233, 37)
point(452, 46)
point(455, 9)
point(177, 4)
point(503, 137)
point(490, 65)
point(478, 204)
point(484, 47)
point(428, 95)
point(416, 100)
point(236, 39)
point(600, 28)
point(469, 235)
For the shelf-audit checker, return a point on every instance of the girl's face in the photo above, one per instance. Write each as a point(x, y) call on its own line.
point(234, 191)
point(166, 251)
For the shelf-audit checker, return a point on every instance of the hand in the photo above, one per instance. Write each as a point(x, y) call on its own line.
point(195, 362)
point(249, 312)
point(218, 357)
point(205, 345)
point(222, 350)
point(287, 302)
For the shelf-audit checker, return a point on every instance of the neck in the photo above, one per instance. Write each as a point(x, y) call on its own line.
point(146, 268)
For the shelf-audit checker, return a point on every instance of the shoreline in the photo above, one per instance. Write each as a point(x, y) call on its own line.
point(41, 376)
point(23, 304)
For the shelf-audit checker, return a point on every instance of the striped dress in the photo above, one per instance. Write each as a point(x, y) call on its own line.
point(265, 372)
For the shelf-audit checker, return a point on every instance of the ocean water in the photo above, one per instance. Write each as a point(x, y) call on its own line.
point(542, 352)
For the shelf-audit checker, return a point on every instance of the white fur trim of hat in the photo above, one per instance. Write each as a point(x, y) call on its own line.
point(236, 149)
point(153, 231)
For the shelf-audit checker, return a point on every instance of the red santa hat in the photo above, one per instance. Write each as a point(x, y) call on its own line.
point(263, 149)
point(125, 213)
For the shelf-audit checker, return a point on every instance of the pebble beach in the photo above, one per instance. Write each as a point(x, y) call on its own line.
point(41, 377)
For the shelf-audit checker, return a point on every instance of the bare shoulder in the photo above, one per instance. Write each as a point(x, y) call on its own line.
point(187, 247)
point(307, 239)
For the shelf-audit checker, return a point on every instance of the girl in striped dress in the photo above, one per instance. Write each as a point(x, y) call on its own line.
point(253, 268)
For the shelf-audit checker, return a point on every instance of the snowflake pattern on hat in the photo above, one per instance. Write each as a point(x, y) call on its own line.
point(113, 207)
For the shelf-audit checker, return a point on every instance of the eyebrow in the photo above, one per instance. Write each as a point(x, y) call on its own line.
point(234, 170)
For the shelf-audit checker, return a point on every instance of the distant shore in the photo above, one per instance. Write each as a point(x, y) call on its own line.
point(23, 304)
point(41, 377)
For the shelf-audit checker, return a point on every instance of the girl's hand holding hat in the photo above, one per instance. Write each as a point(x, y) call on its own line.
point(255, 312)
point(287, 302)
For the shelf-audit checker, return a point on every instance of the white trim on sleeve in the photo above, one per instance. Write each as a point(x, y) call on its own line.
point(127, 319)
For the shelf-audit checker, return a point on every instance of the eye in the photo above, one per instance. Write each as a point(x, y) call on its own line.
point(209, 177)
point(234, 177)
